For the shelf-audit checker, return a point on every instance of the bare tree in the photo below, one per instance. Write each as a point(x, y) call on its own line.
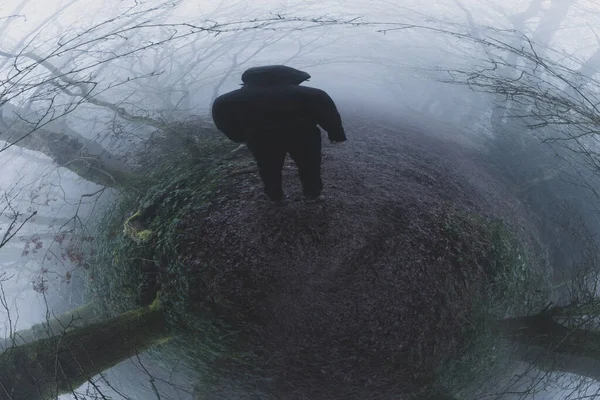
point(45, 94)
point(557, 104)
point(59, 364)
point(40, 88)
point(550, 95)
point(16, 219)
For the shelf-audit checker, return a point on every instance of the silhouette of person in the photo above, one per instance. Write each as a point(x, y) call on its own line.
point(275, 116)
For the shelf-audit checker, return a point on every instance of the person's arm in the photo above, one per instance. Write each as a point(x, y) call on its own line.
point(225, 120)
point(328, 116)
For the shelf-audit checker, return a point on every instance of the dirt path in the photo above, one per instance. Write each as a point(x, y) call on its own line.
point(360, 296)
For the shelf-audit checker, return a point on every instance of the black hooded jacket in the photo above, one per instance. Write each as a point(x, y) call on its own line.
point(271, 102)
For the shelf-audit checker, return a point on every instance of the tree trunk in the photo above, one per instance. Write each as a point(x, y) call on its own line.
point(550, 22)
point(85, 158)
point(46, 368)
point(561, 363)
point(543, 331)
point(548, 25)
point(52, 327)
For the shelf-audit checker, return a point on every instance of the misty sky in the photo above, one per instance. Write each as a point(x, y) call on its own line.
point(576, 33)
point(349, 49)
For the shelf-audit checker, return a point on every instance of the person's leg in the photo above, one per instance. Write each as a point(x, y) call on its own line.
point(269, 159)
point(306, 153)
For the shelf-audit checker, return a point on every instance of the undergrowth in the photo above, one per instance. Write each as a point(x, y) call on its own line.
point(518, 271)
point(513, 282)
point(179, 174)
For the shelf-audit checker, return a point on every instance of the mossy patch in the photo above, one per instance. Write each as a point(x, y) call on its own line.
point(515, 281)
point(137, 249)
point(134, 229)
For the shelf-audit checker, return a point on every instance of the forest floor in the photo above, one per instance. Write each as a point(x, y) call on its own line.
point(365, 295)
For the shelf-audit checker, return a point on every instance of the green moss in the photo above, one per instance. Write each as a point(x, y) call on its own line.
point(137, 234)
point(515, 282)
point(28, 372)
point(157, 303)
point(174, 185)
point(145, 235)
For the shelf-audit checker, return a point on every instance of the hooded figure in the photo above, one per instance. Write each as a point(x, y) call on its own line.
point(275, 116)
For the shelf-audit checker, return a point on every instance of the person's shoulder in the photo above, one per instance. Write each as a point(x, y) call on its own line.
point(229, 96)
point(296, 90)
point(313, 92)
point(310, 89)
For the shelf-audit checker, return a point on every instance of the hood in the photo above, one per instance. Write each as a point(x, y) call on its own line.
point(274, 75)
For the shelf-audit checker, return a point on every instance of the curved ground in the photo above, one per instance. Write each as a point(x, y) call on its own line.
point(363, 295)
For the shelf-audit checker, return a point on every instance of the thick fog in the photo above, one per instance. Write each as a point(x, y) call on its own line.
point(104, 71)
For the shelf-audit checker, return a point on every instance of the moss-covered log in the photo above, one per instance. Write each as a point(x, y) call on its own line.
point(85, 158)
point(541, 330)
point(559, 363)
point(53, 326)
point(46, 368)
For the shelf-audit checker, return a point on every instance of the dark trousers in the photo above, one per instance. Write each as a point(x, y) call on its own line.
point(270, 152)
